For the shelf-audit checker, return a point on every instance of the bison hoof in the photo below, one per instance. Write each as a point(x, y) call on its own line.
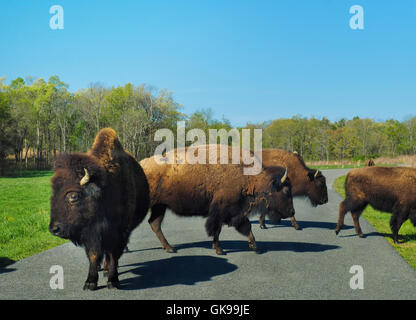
point(90, 286)
point(105, 273)
point(220, 252)
point(170, 250)
point(255, 250)
point(298, 228)
point(361, 235)
point(113, 285)
point(263, 226)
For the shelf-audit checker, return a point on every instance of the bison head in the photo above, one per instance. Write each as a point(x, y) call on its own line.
point(76, 192)
point(316, 189)
point(279, 202)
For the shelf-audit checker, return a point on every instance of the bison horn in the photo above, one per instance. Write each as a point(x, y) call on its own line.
point(316, 173)
point(284, 177)
point(85, 178)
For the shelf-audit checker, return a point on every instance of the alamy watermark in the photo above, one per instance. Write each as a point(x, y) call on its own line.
point(357, 280)
point(357, 20)
point(57, 20)
point(57, 280)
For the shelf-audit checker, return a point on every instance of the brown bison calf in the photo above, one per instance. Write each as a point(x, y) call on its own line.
point(390, 190)
point(97, 199)
point(220, 192)
point(305, 182)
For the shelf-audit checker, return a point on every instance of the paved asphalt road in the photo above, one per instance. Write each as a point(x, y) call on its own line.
point(312, 263)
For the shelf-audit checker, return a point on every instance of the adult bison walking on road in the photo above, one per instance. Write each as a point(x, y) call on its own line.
point(386, 189)
point(220, 192)
point(305, 182)
point(97, 199)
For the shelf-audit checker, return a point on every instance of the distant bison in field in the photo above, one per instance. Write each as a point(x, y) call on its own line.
point(220, 192)
point(390, 190)
point(370, 163)
point(97, 199)
point(305, 182)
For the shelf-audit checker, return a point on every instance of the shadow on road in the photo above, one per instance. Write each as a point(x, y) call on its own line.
point(4, 262)
point(231, 246)
point(401, 239)
point(186, 270)
point(304, 224)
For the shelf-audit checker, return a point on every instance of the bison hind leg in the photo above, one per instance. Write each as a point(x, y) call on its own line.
point(349, 204)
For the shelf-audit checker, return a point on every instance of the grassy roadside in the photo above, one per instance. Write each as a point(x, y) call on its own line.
point(24, 216)
point(345, 166)
point(381, 222)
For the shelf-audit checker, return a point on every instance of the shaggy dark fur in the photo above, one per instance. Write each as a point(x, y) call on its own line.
point(305, 182)
point(386, 189)
point(100, 214)
point(220, 192)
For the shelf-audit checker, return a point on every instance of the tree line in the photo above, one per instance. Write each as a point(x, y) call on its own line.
point(40, 119)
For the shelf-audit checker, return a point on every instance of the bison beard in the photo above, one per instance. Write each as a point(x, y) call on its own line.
point(385, 189)
point(97, 199)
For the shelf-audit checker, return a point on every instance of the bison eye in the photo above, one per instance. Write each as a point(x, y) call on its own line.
point(286, 191)
point(73, 197)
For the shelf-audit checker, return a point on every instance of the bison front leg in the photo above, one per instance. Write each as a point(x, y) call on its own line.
point(113, 281)
point(216, 243)
point(213, 227)
point(355, 218)
point(94, 257)
point(243, 226)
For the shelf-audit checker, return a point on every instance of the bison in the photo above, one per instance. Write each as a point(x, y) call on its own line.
point(219, 192)
point(385, 189)
point(370, 163)
point(97, 199)
point(305, 182)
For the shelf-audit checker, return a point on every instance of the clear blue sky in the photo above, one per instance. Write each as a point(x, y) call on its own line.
point(249, 61)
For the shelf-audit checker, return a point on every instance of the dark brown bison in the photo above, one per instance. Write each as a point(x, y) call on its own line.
point(305, 182)
point(97, 199)
point(220, 192)
point(370, 163)
point(386, 189)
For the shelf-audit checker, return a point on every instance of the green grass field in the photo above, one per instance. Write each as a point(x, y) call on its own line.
point(24, 216)
point(381, 222)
